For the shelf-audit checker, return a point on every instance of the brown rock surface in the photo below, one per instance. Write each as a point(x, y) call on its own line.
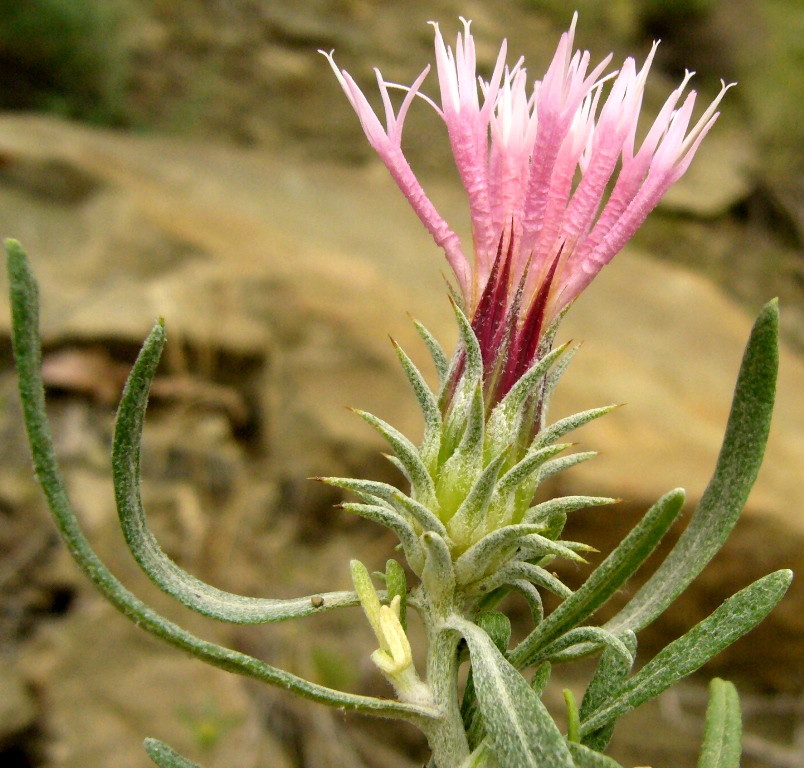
point(114, 685)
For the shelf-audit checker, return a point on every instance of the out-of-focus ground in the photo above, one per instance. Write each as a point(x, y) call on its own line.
point(195, 160)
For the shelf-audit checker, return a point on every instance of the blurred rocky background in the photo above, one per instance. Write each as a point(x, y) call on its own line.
point(195, 159)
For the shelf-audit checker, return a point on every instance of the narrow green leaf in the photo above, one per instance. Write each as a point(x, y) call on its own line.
point(474, 357)
point(739, 614)
point(498, 627)
point(519, 727)
point(579, 635)
point(522, 470)
point(396, 523)
point(552, 331)
point(399, 466)
point(542, 578)
point(555, 525)
point(431, 442)
point(532, 597)
point(407, 453)
point(735, 473)
point(440, 359)
point(574, 728)
point(541, 676)
point(167, 575)
point(562, 427)
point(462, 399)
point(723, 730)
point(481, 757)
point(470, 714)
point(417, 512)
point(459, 472)
point(606, 579)
point(166, 757)
point(438, 575)
point(397, 585)
point(490, 600)
point(542, 512)
point(609, 676)
point(518, 483)
point(28, 357)
point(535, 546)
point(551, 382)
point(527, 571)
point(554, 466)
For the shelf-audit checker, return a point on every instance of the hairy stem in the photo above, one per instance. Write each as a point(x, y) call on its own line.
point(446, 736)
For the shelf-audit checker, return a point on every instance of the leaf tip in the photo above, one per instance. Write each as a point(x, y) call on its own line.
point(677, 495)
point(785, 576)
point(12, 245)
point(15, 253)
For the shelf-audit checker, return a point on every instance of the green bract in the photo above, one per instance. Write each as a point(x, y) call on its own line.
point(471, 534)
point(474, 476)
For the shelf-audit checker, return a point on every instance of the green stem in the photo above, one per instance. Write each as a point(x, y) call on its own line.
point(446, 736)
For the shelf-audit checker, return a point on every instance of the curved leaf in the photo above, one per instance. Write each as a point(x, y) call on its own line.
point(606, 579)
point(416, 511)
point(28, 357)
point(725, 496)
point(166, 574)
point(609, 676)
point(436, 352)
point(596, 635)
point(739, 614)
point(519, 727)
point(568, 424)
point(408, 455)
point(431, 442)
point(722, 746)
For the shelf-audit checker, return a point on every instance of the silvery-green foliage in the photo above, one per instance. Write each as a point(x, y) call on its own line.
point(470, 534)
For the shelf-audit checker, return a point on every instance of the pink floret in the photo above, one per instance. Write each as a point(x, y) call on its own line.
point(536, 168)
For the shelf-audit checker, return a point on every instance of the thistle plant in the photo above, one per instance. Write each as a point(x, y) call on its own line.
point(556, 186)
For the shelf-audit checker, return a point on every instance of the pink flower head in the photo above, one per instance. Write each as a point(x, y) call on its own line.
point(536, 166)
